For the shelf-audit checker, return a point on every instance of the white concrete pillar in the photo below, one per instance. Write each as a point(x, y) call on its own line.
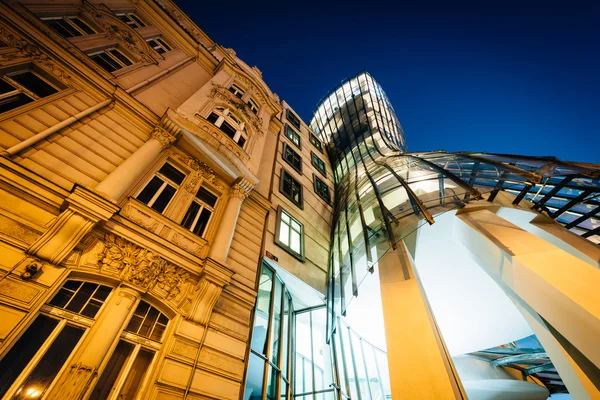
point(219, 248)
point(81, 374)
point(419, 364)
point(555, 285)
point(124, 176)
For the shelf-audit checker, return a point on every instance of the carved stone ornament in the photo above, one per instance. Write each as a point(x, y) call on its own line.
point(222, 93)
point(239, 192)
point(184, 21)
point(202, 171)
point(164, 137)
point(25, 50)
point(118, 30)
point(142, 268)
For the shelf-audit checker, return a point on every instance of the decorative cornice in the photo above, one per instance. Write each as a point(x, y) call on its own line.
point(165, 138)
point(241, 189)
point(224, 94)
point(201, 172)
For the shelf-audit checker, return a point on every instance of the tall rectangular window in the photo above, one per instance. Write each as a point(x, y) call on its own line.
point(293, 136)
point(290, 233)
point(292, 157)
point(253, 106)
point(318, 163)
point(69, 27)
point(292, 118)
point(111, 59)
point(198, 215)
point(291, 188)
point(23, 87)
point(131, 19)
point(159, 45)
point(159, 191)
point(237, 91)
point(322, 189)
point(314, 140)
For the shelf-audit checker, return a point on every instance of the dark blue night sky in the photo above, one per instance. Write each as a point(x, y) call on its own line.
point(505, 79)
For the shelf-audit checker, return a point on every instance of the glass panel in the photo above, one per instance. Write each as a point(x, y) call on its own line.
point(65, 293)
point(320, 349)
point(241, 141)
point(190, 215)
point(276, 323)
point(5, 87)
point(164, 198)
point(272, 384)
point(82, 25)
point(283, 390)
point(228, 129)
point(150, 190)
point(15, 101)
point(286, 330)
point(44, 372)
point(284, 232)
point(254, 379)
point(111, 372)
point(261, 317)
point(138, 317)
point(120, 56)
point(159, 327)
point(202, 222)
point(295, 244)
point(63, 28)
point(17, 358)
point(34, 83)
point(172, 173)
point(303, 353)
point(82, 296)
point(134, 379)
point(207, 197)
point(105, 62)
point(149, 321)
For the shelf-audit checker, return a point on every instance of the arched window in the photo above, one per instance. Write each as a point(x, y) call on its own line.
point(223, 119)
point(33, 362)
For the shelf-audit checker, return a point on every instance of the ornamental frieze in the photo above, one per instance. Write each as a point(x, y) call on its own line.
point(234, 101)
point(201, 172)
point(142, 268)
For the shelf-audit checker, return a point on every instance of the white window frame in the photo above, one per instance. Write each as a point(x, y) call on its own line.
point(203, 206)
point(133, 22)
point(225, 114)
point(162, 43)
point(162, 187)
point(253, 105)
point(286, 246)
point(236, 90)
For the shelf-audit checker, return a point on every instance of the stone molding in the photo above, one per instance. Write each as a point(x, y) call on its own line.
point(224, 94)
point(165, 138)
point(215, 276)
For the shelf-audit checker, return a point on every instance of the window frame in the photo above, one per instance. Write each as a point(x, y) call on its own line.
point(314, 156)
point(162, 44)
point(300, 256)
point(166, 181)
point(203, 206)
point(287, 129)
point(313, 139)
point(299, 204)
point(6, 75)
point(106, 52)
point(233, 122)
point(315, 179)
point(133, 21)
point(68, 19)
point(236, 90)
point(286, 146)
point(294, 119)
point(253, 106)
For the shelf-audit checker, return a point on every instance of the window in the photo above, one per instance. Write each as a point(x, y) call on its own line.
point(123, 376)
point(291, 188)
point(253, 106)
point(290, 116)
point(198, 215)
point(69, 27)
point(23, 87)
point(223, 119)
point(322, 189)
point(289, 233)
point(111, 59)
point(131, 19)
point(318, 163)
point(35, 359)
point(158, 193)
point(292, 157)
point(237, 91)
point(314, 140)
point(293, 136)
point(159, 45)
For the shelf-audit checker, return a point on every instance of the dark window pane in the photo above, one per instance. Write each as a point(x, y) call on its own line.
point(83, 26)
point(82, 296)
point(149, 321)
point(14, 101)
point(105, 62)
point(92, 308)
point(102, 293)
point(164, 44)
point(72, 285)
point(34, 83)
point(164, 198)
point(190, 215)
point(172, 173)
point(136, 374)
point(43, 374)
point(241, 141)
point(293, 119)
point(121, 57)
point(23, 351)
point(134, 324)
point(202, 222)
point(228, 129)
point(5, 87)
point(63, 28)
point(212, 118)
point(112, 370)
point(61, 298)
point(137, 20)
point(207, 197)
point(150, 190)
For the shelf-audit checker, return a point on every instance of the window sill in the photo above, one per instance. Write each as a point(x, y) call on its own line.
point(291, 252)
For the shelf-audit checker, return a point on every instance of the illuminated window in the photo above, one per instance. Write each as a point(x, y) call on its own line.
point(69, 27)
point(131, 19)
point(161, 188)
point(200, 211)
point(292, 157)
point(111, 59)
point(291, 117)
point(159, 45)
point(315, 141)
point(291, 134)
point(318, 163)
point(322, 189)
point(34, 361)
point(23, 87)
point(223, 119)
point(290, 233)
point(291, 188)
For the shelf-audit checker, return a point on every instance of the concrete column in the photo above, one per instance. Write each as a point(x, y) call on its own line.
point(81, 375)
point(123, 177)
point(419, 365)
point(219, 248)
point(558, 291)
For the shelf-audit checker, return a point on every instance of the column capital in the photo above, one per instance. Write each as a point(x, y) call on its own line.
point(165, 137)
point(241, 188)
